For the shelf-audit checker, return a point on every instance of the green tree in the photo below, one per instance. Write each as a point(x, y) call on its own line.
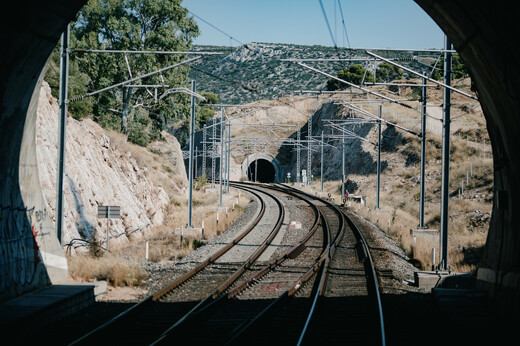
point(206, 111)
point(78, 82)
point(211, 98)
point(387, 72)
point(134, 25)
point(354, 74)
point(458, 69)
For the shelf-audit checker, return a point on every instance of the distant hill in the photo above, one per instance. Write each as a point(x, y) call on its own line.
point(254, 71)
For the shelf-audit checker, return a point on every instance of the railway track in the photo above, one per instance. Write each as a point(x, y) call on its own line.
point(350, 304)
point(205, 282)
point(293, 297)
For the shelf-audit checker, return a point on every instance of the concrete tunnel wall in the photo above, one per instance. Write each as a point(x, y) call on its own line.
point(30, 254)
point(484, 34)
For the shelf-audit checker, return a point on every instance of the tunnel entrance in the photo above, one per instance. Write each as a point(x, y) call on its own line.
point(262, 171)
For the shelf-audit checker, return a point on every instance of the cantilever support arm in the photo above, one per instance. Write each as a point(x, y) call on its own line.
point(422, 76)
point(135, 79)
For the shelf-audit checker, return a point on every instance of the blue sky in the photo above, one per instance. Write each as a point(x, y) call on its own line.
point(369, 23)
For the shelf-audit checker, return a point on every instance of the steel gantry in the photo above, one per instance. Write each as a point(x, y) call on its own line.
point(447, 89)
point(127, 86)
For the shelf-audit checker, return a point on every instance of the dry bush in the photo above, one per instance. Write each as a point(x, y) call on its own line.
point(164, 241)
point(116, 270)
point(399, 204)
point(159, 168)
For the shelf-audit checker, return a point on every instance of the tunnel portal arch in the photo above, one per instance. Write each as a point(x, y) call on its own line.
point(484, 35)
point(269, 169)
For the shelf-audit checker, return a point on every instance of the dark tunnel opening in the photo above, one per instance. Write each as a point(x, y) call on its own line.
point(263, 170)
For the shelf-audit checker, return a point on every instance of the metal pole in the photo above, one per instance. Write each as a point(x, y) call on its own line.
point(443, 253)
point(247, 157)
point(221, 163)
point(309, 152)
point(321, 170)
point(213, 152)
point(228, 154)
point(64, 76)
point(204, 132)
point(197, 153)
point(108, 228)
point(192, 142)
point(379, 156)
point(298, 169)
point(256, 166)
point(423, 154)
point(342, 165)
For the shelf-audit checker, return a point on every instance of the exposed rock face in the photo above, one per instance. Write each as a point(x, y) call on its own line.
point(96, 174)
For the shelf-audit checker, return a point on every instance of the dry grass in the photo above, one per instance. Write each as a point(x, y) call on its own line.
point(121, 268)
point(400, 185)
point(116, 270)
point(398, 218)
point(165, 241)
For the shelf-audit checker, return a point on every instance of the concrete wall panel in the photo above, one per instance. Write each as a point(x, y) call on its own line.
point(30, 254)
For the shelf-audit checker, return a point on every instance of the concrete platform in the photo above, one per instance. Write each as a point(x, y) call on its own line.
point(431, 279)
point(46, 305)
point(188, 231)
point(425, 234)
point(358, 199)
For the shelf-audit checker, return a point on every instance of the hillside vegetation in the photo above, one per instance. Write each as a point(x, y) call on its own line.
point(471, 176)
point(255, 71)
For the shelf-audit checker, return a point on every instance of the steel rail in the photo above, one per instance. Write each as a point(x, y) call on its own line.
point(291, 253)
point(371, 271)
point(133, 310)
point(217, 296)
point(326, 258)
point(369, 265)
point(320, 264)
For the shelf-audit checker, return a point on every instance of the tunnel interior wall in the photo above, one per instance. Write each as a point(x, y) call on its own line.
point(30, 254)
point(484, 35)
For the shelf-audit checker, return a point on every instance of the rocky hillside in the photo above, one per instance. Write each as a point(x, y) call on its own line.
point(254, 71)
point(471, 168)
point(102, 169)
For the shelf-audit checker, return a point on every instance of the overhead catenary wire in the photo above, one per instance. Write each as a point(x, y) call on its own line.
point(422, 76)
point(159, 52)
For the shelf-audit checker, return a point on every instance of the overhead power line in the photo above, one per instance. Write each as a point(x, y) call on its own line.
point(328, 25)
point(343, 23)
point(214, 27)
point(92, 93)
point(80, 50)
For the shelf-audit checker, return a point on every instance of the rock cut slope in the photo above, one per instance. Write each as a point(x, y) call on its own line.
point(96, 173)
